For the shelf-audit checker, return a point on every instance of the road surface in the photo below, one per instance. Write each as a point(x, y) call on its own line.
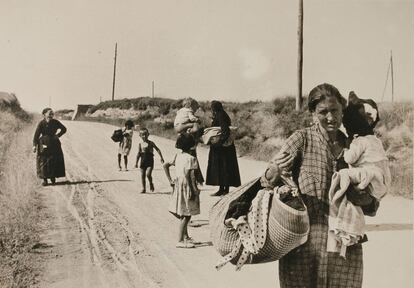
point(101, 232)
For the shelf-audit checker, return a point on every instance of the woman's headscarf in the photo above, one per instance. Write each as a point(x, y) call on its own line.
point(220, 117)
point(216, 106)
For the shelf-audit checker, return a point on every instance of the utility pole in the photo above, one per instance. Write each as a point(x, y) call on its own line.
point(113, 82)
point(299, 99)
point(392, 78)
point(152, 88)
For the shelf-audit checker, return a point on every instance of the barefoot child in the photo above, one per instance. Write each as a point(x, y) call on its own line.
point(146, 154)
point(185, 200)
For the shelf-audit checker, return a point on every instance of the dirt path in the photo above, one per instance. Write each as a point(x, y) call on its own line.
point(103, 233)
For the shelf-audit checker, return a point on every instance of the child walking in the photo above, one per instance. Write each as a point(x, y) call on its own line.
point(126, 144)
point(146, 154)
point(185, 201)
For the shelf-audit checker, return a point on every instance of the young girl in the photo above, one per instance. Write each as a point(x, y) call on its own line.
point(126, 144)
point(185, 200)
point(146, 154)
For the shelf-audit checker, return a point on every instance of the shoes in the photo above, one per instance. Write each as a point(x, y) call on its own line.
point(53, 180)
point(120, 168)
point(185, 245)
point(190, 240)
point(44, 183)
point(218, 193)
point(143, 191)
point(152, 187)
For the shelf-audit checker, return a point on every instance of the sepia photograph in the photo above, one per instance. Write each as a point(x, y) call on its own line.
point(206, 143)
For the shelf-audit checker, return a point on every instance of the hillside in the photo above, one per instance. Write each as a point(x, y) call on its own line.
point(263, 126)
point(19, 204)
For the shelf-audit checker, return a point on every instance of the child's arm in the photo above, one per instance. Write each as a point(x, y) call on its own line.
point(190, 177)
point(159, 152)
point(355, 151)
point(166, 167)
point(138, 155)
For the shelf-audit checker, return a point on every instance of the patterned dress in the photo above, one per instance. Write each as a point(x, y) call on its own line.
point(180, 204)
point(310, 265)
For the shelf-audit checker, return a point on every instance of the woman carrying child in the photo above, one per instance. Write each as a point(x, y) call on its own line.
point(126, 144)
point(185, 201)
point(146, 154)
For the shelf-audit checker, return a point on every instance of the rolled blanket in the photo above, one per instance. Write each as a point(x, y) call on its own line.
point(346, 220)
point(211, 135)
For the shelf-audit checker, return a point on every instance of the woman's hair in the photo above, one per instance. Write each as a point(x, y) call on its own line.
point(129, 124)
point(185, 142)
point(44, 111)
point(216, 106)
point(321, 92)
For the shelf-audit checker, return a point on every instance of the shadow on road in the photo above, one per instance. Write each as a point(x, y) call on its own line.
point(198, 223)
point(389, 227)
point(89, 182)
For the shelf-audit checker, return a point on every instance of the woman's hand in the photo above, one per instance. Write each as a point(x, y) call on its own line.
point(34, 149)
point(284, 161)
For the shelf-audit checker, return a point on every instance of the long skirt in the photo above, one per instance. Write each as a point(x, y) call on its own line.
point(50, 162)
point(223, 168)
point(311, 266)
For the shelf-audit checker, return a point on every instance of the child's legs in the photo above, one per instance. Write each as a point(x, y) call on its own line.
point(143, 170)
point(182, 231)
point(119, 160)
point(149, 174)
point(126, 161)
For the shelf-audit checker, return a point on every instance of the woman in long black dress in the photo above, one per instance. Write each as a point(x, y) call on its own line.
point(50, 161)
point(222, 169)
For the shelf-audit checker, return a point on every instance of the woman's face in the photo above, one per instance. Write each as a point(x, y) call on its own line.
point(49, 115)
point(328, 113)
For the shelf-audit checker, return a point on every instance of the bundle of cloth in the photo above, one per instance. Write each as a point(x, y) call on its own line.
point(254, 224)
point(367, 172)
point(211, 135)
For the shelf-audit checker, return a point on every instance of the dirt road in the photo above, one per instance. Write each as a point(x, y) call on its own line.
point(103, 233)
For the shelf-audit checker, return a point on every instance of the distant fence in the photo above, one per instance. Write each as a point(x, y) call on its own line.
point(80, 111)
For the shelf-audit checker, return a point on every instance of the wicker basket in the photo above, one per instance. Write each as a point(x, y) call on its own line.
point(288, 228)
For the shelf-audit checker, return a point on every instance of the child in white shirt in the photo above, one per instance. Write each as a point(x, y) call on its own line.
point(185, 120)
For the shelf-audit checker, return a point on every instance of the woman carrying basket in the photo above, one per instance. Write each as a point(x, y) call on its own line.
point(312, 155)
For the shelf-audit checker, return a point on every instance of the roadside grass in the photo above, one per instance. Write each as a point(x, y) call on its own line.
point(263, 127)
point(19, 204)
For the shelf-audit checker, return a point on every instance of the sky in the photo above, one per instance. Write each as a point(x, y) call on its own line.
point(62, 52)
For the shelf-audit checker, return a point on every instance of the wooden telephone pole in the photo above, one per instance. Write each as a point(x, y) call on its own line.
point(299, 99)
point(392, 78)
point(113, 82)
point(390, 68)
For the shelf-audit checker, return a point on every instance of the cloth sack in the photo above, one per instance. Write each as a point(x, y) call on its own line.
point(117, 135)
point(211, 135)
point(287, 228)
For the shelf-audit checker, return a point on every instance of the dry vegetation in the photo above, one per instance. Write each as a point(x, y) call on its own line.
point(19, 205)
point(263, 126)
